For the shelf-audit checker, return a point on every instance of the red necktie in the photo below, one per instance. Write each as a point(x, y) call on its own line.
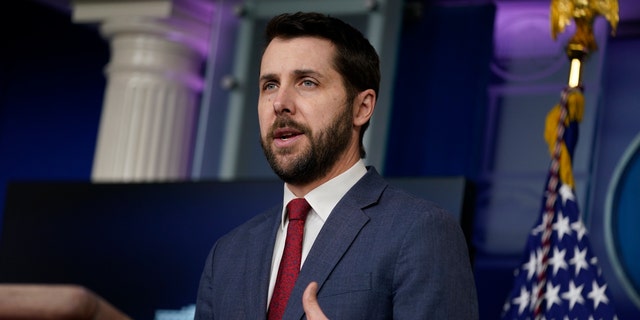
point(297, 210)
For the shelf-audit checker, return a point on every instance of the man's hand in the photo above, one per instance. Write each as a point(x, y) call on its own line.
point(310, 303)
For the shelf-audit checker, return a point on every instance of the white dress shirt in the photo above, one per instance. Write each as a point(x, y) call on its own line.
point(322, 200)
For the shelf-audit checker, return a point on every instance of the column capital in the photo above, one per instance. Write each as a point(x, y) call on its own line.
point(185, 21)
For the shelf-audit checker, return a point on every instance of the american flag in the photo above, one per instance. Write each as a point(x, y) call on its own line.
point(559, 277)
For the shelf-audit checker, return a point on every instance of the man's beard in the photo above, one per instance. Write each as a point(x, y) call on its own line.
point(324, 151)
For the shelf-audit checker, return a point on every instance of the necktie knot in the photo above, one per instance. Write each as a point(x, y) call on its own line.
point(298, 209)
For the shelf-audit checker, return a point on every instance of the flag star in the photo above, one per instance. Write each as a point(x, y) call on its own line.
point(566, 194)
point(574, 295)
point(539, 258)
point(579, 260)
point(535, 290)
point(579, 228)
point(523, 300)
point(530, 266)
point(594, 262)
point(597, 294)
point(551, 295)
point(540, 228)
point(558, 261)
point(562, 226)
point(506, 307)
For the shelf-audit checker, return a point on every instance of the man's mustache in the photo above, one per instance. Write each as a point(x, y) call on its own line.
point(286, 122)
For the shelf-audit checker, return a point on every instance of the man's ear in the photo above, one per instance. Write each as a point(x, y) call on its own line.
point(363, 107)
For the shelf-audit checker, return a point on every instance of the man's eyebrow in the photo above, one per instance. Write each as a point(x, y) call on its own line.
point(267, 77)
point(306, 72)
point(298, 72)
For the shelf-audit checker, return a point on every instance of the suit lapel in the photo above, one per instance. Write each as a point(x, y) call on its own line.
point(258, 283)
point(335, 238)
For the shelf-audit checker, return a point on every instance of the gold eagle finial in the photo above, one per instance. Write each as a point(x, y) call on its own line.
point(584, 13)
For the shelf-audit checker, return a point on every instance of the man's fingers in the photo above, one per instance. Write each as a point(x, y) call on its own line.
point(310, 303)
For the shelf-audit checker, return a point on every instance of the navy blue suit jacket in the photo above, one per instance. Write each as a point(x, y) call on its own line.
point(381, 254)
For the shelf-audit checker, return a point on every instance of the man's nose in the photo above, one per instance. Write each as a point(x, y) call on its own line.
point(284, 102)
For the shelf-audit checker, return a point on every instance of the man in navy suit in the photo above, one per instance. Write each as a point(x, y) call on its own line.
point(369, 250)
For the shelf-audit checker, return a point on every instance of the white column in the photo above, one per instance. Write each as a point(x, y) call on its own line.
point(153, 85)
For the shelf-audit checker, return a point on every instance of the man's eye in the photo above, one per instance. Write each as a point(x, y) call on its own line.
point(269, 86)
point(308, 83)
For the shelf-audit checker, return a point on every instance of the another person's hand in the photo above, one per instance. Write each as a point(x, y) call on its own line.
point(310, 303)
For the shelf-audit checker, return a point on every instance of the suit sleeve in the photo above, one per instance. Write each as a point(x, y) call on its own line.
point(204, 309)
point(433, 277)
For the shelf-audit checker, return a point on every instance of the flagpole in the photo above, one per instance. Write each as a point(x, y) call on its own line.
point(571, 106)
point(577, 55)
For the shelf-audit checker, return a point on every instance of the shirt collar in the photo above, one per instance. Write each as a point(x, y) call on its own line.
point(326, 196)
